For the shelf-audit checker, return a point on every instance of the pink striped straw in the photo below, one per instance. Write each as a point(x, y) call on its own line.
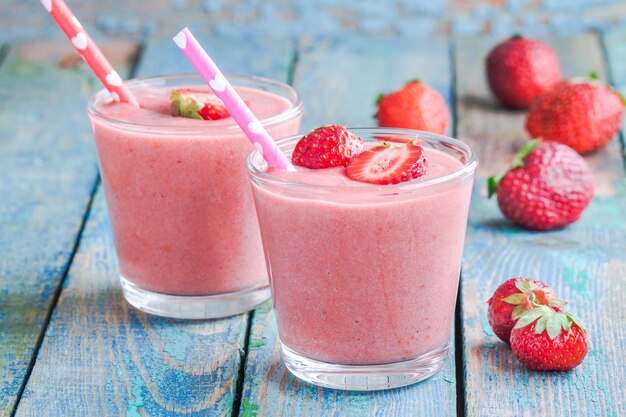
point(89, 51)
point(250, 125)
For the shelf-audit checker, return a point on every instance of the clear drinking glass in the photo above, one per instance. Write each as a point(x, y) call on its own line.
point(364, 277)
point(179, 200)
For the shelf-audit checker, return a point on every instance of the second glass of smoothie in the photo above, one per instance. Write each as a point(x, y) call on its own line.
point(364, 277)
point(183, 218)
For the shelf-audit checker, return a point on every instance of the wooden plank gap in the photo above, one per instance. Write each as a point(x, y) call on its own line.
point(293, 62)
point(132, 53)
point(453, 86)
point(4, 52)
point(458, 354)
point(56, 296)
point(613, 80)
point(243, 353)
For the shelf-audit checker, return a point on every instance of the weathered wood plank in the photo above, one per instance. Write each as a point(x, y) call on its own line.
point(47, 170)
point(614, 42)
point(339, 82)
point(584, 261)
point(102, 357)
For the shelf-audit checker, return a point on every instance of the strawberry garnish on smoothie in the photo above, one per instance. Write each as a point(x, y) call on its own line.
point(387, 164)
point(335, 146)
point(327, 146)
point(195, 103)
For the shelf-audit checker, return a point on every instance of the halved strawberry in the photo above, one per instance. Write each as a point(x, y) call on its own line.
point(198, 104)
point(388, 165)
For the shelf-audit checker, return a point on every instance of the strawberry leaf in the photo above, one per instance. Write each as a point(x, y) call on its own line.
point(515, 299)
point(379, 98)
point(556, 302)
point(541, 324)
point(553, 325)
point(593, 75)
point(528, 317)
point(492, 184)
point(576, 320)
point(530, 146)
point(518, 311)
point(523, 285)
point(621, 96)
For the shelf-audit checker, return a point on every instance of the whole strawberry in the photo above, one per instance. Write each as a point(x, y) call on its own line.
point(327, 146)
point(415, 106)
point(548, 186)
point(583, 114)
point(547, 340)
point(521, 69)
point(512, 299)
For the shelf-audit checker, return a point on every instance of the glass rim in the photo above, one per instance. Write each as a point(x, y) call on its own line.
point(297, 106)
point(468, 167)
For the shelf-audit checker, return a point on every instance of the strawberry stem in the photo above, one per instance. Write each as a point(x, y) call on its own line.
point(518, 162)
point(492, 184)
point(593, 75)
point(379, 98)
point(530, 146)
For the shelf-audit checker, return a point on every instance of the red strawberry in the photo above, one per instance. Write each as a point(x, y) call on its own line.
point(415, 106)
point(520, 69)
point(546, 340)
point(583, 114)
point(388, 165)
point(327, 146)
point(512, 299)
point(197, 103)
point(548, 186)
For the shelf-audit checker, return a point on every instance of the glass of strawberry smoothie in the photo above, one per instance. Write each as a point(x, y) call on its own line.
point(364, 277)
point(184, 224)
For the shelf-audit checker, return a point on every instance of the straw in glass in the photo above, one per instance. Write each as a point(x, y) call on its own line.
point(238, 110)
point(90, 52)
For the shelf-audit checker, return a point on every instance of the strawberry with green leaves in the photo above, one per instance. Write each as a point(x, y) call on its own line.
point(513, 298)
point(195, 103)
point(547, 340)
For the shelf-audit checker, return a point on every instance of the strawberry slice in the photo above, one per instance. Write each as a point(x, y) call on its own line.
point(388, 165)
point(198, 104)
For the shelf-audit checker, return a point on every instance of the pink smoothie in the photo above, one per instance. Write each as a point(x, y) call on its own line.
point(178, 195)
point(366, 276)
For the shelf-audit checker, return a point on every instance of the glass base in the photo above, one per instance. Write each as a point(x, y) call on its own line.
point(194, 306)
point(364, 377)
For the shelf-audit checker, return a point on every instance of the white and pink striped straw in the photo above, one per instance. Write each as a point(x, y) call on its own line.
point(89, 51)
point(238, 110)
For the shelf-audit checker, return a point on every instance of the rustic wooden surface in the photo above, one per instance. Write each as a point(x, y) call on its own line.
point(339, 82)
point(584, 262)
point(614, 42)
point(47, 171)
point(101, 357)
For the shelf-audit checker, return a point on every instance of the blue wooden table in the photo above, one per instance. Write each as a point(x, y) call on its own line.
point(70, 345)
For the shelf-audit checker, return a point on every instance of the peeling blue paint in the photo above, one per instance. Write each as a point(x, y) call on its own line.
point(137, 401)
point(328, 17)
